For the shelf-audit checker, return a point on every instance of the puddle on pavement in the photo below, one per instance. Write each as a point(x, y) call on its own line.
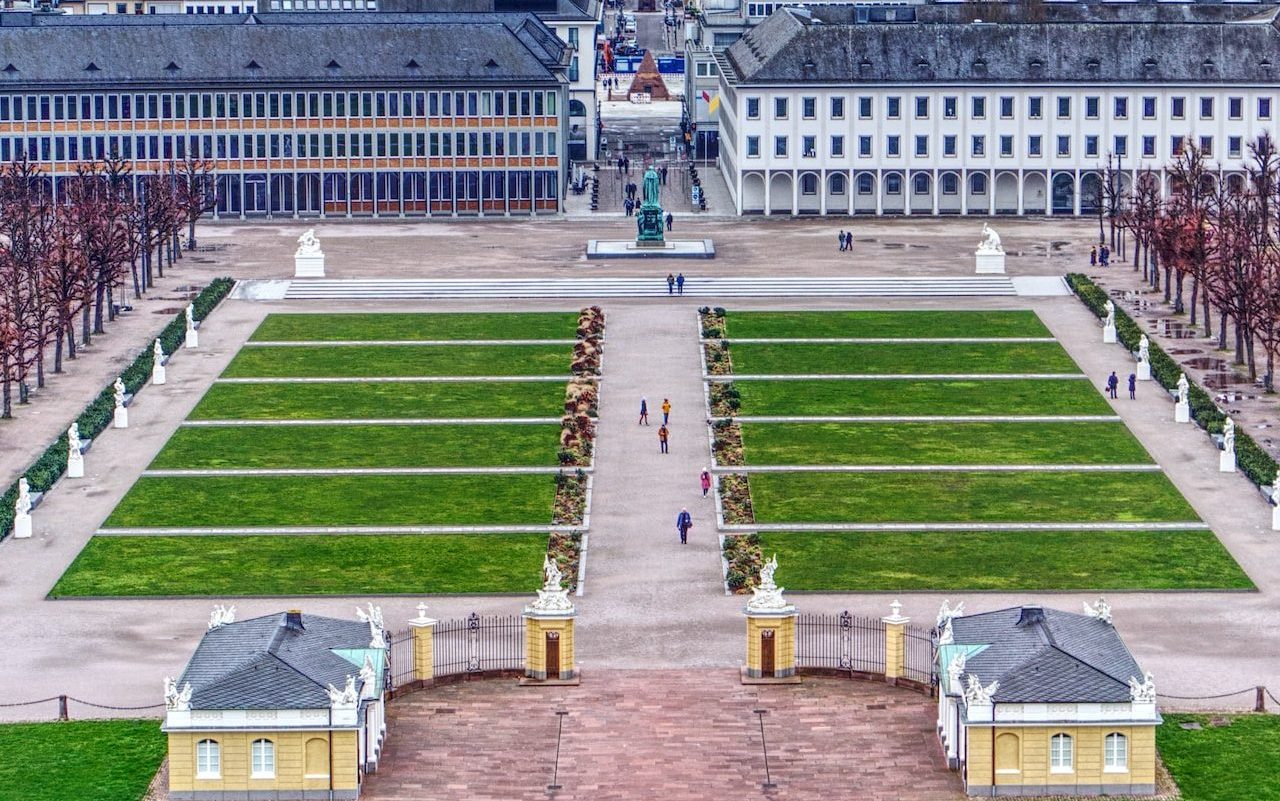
point(1174, 329)
point(895, 245)
point(1183, 351)
point(1223, 380)
point(1208, 363)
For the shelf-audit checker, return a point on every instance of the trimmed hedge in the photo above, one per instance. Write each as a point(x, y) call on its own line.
point(1252, 460)
point(99, 414)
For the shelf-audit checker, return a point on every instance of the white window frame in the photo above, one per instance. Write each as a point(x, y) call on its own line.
point(1062, 753)
point(1115, 753)
point(208, 759)
point(262, 755)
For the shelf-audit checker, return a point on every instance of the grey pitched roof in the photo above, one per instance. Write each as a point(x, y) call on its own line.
point(289, 48)
point(1066, 658)
point(261, 664)
point(823, 44)
point(556, 10)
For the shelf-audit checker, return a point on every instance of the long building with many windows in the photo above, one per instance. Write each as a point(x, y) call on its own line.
point(300, 114)
point(823, 114)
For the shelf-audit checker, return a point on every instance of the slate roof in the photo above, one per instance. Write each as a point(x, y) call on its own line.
point(211, 50)
point(261, 664)
point(823, 44)
point(1065, 658)
point(557, 10)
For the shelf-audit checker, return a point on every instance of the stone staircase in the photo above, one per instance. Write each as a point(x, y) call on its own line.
point(655, 286)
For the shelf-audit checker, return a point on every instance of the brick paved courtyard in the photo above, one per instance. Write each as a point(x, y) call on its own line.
point(673, 735)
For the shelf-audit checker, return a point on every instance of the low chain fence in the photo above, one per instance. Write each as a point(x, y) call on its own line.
point(44, 708)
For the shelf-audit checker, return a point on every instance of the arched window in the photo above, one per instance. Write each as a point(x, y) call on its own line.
point(950, 183)
point(808, 184)
point(1061, 754)
point(316, 758)
point(576, 107)
point(921, 182)
point(893, 184)
point(866, 184)
point(978, 184)
point(837, 183)
point(1115, 752)
point(208, 760)
point(1008, 754)
point(262, 760)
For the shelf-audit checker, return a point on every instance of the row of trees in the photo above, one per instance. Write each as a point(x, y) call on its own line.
point(1218, 231)
point(69, 252)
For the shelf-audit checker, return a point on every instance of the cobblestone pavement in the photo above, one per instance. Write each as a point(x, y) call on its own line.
point(671, 735)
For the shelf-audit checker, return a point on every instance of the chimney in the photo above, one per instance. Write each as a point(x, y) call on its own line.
point(293, 620)
point(1031, 616)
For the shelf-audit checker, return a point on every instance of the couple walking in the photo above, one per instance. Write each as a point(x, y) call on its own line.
point(684, 520)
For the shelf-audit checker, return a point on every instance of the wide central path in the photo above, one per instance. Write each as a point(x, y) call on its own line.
point(650, 600)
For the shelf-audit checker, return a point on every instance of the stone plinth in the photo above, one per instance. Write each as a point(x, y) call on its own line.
point(193, 339)
point(1275, 521)
point(75, 465)
point(989, 262)
point(423, 632)
point(776, 632)
point(549, 648)
point(310, 265)
point(1144, 371)
point(669, 249)
point(1182, 412)
point(22, 527)
point(121, 419)
point(1109, 334)
point(1227, 462)
point(158, 374)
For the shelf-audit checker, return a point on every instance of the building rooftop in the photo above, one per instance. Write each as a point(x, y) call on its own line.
point(1045, 656)
point(213, 50)
point(826, 44)
point(550, 10)
point(264, 663)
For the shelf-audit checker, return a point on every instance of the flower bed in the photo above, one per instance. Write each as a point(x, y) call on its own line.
point(577, 438)
point(743, 554)
point(717, 353)
point(727, 443)
point(591, 323)
point(570, 506)
point(566, 549)
point(47, 469)
point(725, 398)
point(1251, 459)
point(735, 500)
point(712, 322)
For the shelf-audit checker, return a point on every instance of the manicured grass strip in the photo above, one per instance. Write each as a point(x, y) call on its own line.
point(855, 561)
point(360, 361)
point(907, 397)
point(276, 501)
point(905, 324)
point(356, 564)
point(384, 326)
point(964, 497)
point(900, 358)
point(380, 400)
point(362, 446)
point(940, 443)
point(98, 760)
point(1222, 763)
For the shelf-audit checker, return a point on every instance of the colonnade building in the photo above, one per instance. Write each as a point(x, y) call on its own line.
point(300, 114)
point(823, 114)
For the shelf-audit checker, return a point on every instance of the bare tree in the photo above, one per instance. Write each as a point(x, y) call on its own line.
point(197, 193)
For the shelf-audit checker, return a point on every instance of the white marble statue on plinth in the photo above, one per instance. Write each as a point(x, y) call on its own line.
point(121, 419)
point(1275, 499)
point(1109, 324)
point(308, 261)
point(22, 511)
point(158, 373)
point(989, 257)
point(1144, 359)
point(75, 459)
point(193, 338)
point(1182, 409)
point(1227, 459)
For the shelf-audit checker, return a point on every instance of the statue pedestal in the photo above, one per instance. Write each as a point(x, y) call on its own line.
point(75, 465)
point(989, 262)
point(1227, 462)
point(1109, 334)
point(310, 265)
point(1182, 412)
point(1275, 521)
point(1144, 371)
point(158, 375)
point(121, 419)
point(193, 338)
point(22, 527)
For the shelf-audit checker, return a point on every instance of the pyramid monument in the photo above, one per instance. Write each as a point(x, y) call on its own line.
point(649, 80)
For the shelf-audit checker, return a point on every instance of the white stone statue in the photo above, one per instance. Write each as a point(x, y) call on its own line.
point(552, 577)
point(1229, 435)
point(1143, 692)
point(346, 697)
point(946, 612)
point(1184, 389)
point(193, 337)
point(947, 635)
point(1144, 349)
point(158, 373)
point(552, 598)
point(1100, 609)
point(221, 616)
point(377, 633)
point(118, 388)
point(23, 505)
point(75, 459)
point(977, 695)
point(121, 419)
point(367, 673)
point(1275, 489)
point(955, 669)
point(176, 700)
point(308, 244)
point(766, 596)
point(990, 241)
point(1110, 322)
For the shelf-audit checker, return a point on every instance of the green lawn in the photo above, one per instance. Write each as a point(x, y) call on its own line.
point(357, 564)
point(1223, 763)
point(382, 326)
point(940, 443)
point(913, 561)
point(476, 445)
point(381, 400)
point(268, 501)
point(894, 324)
point(899, 358)
point(909, 397)
point(99, 760)
point(361, 361)
point(966, 496)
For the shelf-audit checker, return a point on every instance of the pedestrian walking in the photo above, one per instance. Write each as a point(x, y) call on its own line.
point(705, 480)
point(1105, 255)
point(843, 243)
point(644, 412)
point(629, 205)
point(1093, 256)
point(663, 433)
point(671, 284)
point(1133, 386)
point(670, 220)
point(684, 522)
point(663, 173)
point(1112, 384)
point(666, 411)
point(680, 283)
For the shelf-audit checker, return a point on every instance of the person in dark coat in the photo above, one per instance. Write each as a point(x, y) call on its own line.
point(684, 522)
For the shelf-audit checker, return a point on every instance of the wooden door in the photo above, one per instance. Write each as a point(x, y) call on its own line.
point(766, 654)
point(553, 654)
